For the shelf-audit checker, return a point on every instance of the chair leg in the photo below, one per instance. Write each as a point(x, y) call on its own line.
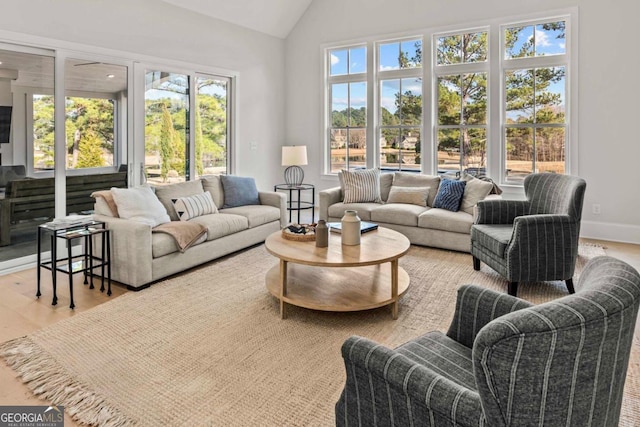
point(476, 264)
point(569, 283)
point(513, 288)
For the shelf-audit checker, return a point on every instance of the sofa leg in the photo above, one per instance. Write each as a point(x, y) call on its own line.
point(569, 283)
point(513, 288)
point(476, 264)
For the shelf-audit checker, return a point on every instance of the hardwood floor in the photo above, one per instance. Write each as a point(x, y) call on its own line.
point(21, 312)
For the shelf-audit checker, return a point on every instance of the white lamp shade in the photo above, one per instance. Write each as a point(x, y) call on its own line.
point(294, 155)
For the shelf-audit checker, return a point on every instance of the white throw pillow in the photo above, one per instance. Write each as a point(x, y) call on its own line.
point(361, 186)
point(140, 204)
point(193, 206)
point(475, 190)
point(409, 195)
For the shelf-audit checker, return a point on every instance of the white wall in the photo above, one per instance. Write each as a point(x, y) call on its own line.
point(609, 145)
point(154, 28)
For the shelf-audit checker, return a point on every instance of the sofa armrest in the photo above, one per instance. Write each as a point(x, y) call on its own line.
point(475, 307)
point(131, 251)
point(327, 198)
point(277, 200)
point(377, 374)
point(498, 211)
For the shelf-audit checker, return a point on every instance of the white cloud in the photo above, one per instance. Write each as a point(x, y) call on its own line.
point(334, 59)
point(542, 39)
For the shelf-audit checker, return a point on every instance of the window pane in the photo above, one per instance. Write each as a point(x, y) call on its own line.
point(357, 148)
point(410, 103)
point(475, 151)
point(338, 62)
point(410, 149)
point(90, 132)
point(358, 60)
point(389, 56)
point(550, 39)
point(550, 149)
point(358, 104)
point(449, 50)
point(211, 126)
point(43, 128)
point(338, 149)
point(519, 42)
point(520, 100)
point(339, 104)
point(474, 98)
point(390, 93)
point(449, 103)
point(411, 54)
point(550, 95)
point(519, 153)
point(389, 142)
point(474, 47)
point(448, 151)
point(166, 126)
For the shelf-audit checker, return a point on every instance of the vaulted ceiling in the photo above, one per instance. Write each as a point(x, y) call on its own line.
point(273, 17)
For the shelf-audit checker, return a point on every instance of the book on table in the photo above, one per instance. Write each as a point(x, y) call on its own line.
point(365, 226)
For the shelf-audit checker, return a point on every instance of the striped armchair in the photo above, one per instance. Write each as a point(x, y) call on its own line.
point(504, 362)
point(535, 239)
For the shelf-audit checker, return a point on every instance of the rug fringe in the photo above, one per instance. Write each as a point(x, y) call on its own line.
point(48, 379)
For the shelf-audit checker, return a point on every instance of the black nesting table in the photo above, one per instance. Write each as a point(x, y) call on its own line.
point(297, 204)
point(84, 263)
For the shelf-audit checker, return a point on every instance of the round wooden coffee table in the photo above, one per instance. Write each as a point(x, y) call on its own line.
point(339, 278)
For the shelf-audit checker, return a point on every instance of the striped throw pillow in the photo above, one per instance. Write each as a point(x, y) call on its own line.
point(361, 186)
point(449, 195)
point(193, 206)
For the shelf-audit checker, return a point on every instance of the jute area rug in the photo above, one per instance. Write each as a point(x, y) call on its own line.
point(208, 347)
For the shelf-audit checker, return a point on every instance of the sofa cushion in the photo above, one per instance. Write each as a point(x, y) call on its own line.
point(239, 191)
point(166, 194)
point(222, 224)
point(386, 181)
point(407, 179)
point(442, 219)
point(213, 184)
point(140, 204)
point(410, 195)
point(449, 195)
point(495, 238)
point(364, 209)
point(474, 191)
point(193, 206)
point(361, 186)
point(398, 213)
point(255, 214)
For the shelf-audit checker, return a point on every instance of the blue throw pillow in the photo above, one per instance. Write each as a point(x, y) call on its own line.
point(449, 195)
point(239, 191)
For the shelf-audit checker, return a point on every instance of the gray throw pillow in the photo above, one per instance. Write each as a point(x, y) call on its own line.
point(239, 191)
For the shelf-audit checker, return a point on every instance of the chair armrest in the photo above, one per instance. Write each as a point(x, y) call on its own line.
point(327, 198)
point(394, 379)
point(500, 211)
point(277, 200)
point(475, 307)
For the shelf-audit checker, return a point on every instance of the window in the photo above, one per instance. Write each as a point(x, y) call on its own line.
point(348, 108)
point(212, 124)
point(461, 125)
point(90, 131)
point(400, 100)
point(535, 108)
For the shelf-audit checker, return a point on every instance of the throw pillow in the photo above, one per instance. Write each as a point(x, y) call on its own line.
point(361, 186)
point(239, 191)
point(410, 195)
point(213, 185)
point(449, 195)
point(166, 194)
point(408, 179)
point(474, 191)
point(140, 204)
point(105, 205)
point(193, 206)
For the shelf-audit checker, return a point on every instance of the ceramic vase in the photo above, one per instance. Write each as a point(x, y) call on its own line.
point(350, 228)
point(322, 234)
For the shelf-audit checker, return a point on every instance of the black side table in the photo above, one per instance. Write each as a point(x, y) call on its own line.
point(298, 204)
point(84, 263)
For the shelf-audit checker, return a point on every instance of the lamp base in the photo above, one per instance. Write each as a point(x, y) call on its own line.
point(293, 176)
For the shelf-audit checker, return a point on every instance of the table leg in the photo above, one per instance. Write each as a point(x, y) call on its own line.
point(89, 265)
point(102, 261)
point(299, 206)
point(394, 288)
point(54, 266)
point(70, 261)
point(39, 261)
point(283, 287)
point(86, 261)
point(107, 235)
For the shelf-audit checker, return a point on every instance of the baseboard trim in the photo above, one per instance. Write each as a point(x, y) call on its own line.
point(613, 232)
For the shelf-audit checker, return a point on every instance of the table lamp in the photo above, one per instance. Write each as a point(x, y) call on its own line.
point(292, 156)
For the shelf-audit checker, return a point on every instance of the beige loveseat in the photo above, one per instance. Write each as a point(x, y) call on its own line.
point(140, 256)
point(423, 225)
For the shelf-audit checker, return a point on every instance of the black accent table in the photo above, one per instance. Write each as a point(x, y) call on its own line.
point(298, 204)
point(84, 263)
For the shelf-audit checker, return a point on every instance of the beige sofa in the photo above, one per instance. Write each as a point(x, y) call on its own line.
point(140, 256)
point(423, 225)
